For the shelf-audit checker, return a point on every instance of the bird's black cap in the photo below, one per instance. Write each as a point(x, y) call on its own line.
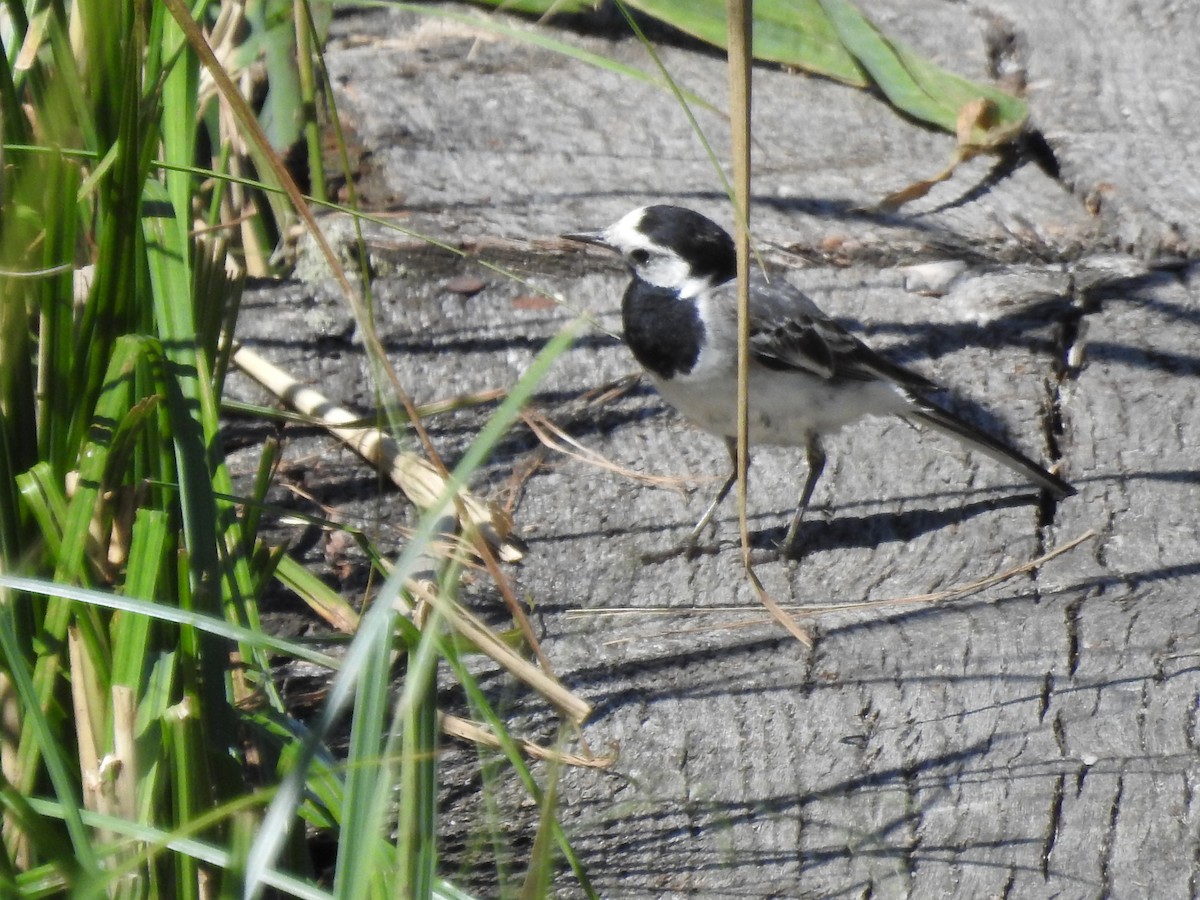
point(704, 244)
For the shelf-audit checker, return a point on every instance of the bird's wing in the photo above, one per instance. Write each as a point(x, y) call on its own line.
point(789, 331)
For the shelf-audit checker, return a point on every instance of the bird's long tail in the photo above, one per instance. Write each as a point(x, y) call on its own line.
point(952, 425)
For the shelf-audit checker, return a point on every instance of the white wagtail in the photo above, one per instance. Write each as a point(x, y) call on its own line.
point(808, 375)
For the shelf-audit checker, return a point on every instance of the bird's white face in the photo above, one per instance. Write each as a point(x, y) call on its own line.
point(653, 263)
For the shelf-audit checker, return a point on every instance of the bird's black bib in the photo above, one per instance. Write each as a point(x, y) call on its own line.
point(663, 331)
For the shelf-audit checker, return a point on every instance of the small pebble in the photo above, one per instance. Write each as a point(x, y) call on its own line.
point(467, 285)
point(932, 279)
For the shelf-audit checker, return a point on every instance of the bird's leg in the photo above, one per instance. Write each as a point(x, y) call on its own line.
point(816, 465)
point(688, 547)
point(731, 446)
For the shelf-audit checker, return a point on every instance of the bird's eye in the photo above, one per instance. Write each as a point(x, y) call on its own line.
point(641, 257)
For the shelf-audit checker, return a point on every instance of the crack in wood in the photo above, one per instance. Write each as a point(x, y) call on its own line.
point(1045, 695)
point(1140, 716)
point(1060, 737)
point(1109, 840)
point(1191, 723)
point(1189, 796)
point(915, 818)
point(1056, 807)
point(1072, 615)
point(1010, 884)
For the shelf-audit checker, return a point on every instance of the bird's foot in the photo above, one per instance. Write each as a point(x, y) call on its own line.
point(791, 548)
point(789, 552)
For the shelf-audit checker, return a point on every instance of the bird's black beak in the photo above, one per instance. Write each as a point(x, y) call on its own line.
point(598, 238)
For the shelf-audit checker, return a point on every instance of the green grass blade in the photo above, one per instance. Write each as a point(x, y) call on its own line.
point(279, 817)
point(131, 632)
point(368, 775)
point(181, 842)
point(415, 731)
point(42, 495)
point(114, 402)
point(482, 709)
point(320, 597)
point(155, 700)
point(216, 626)
point(541, 857)
point(16, 126)
point(53, 756)
point(44, 837)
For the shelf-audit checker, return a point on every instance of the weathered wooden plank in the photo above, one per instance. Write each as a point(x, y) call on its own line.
point(1038, 739)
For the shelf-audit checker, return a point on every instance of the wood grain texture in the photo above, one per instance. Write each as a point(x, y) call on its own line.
point(1111, 85)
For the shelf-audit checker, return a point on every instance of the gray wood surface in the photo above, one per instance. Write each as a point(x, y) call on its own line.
point(1113, 87)
point(1036, 739)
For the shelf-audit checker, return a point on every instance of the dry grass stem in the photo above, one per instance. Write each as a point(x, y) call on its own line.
point(514, 489)
point(470, 627)
point(558, 440)
point(124, 722)
point(514, 606)
point(461, 401)
point(778, 613)
point(812, 610)
point(958, 592)
point(418, 478)
point(467, 730)
point(606, 393)
point(89, 725)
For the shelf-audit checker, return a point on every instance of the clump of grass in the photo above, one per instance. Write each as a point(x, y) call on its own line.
point(111, 475)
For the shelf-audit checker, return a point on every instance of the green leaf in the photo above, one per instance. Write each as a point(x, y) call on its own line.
point(537, 39)
point(271, 41)
point(791, 32)
point(833, 39)
point(320, 597)
point(912, 84)
point(544, 7)
point(145, 571)
point(42, 495)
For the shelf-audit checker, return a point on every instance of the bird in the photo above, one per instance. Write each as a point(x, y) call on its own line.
point(808, 376)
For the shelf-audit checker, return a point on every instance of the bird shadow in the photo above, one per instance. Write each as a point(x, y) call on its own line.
point(820, 532)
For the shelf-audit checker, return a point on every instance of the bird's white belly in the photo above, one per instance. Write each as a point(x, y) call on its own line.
point(786, 408)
